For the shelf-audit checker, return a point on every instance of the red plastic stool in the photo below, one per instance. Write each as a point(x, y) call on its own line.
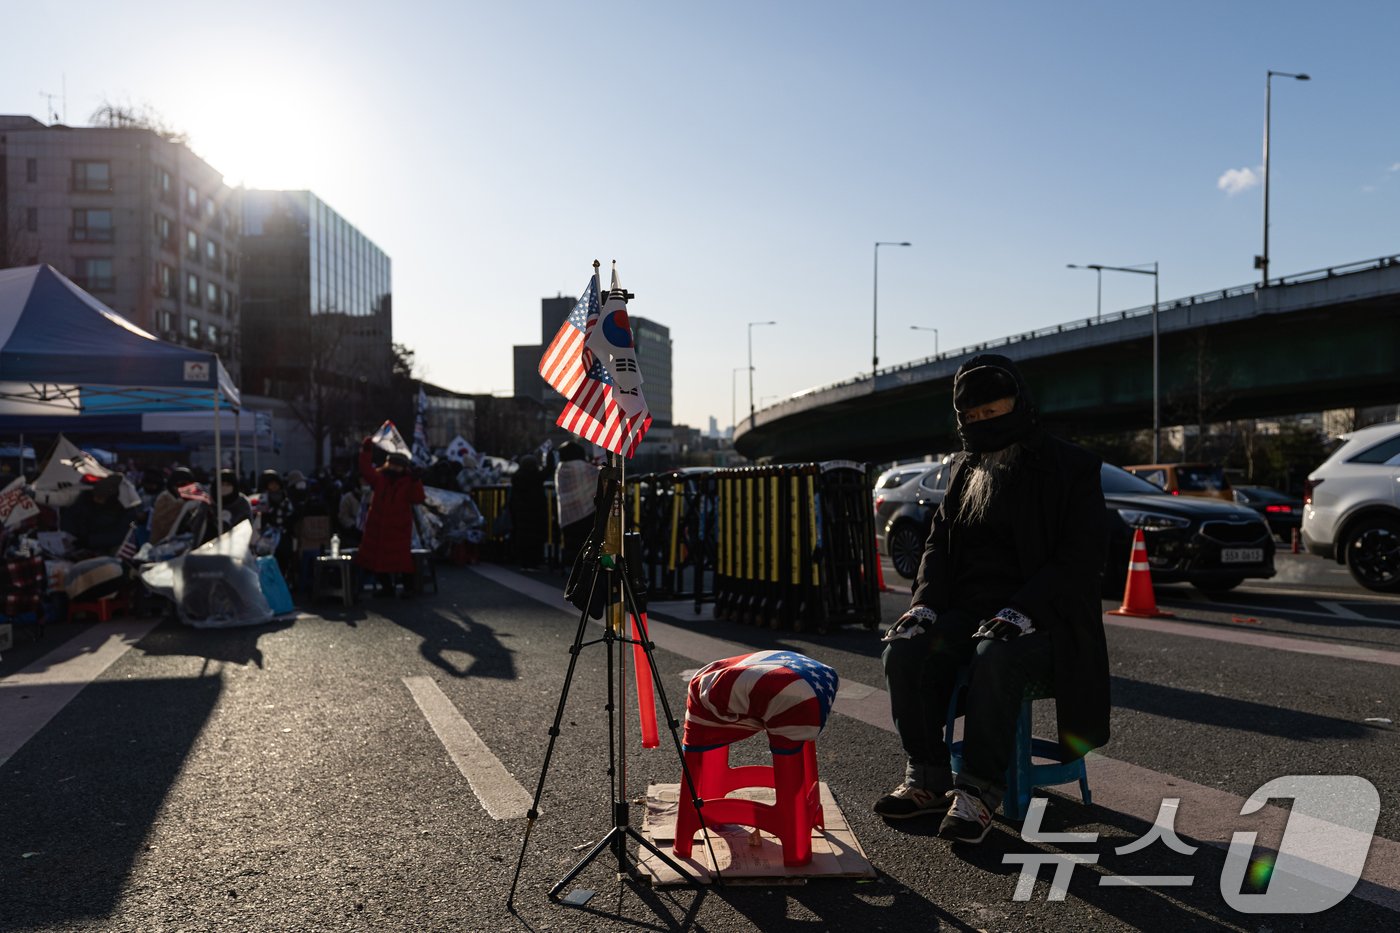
point(104, 608)
point(788, 696)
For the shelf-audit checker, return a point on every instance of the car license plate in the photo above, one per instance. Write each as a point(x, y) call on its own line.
point(1242, 555)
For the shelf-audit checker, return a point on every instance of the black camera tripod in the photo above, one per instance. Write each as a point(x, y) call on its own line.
point(613, 589)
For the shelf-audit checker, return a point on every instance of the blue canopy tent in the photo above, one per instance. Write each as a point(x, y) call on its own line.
point(64, 353)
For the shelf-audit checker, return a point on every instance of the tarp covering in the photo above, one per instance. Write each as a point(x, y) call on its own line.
point(62, 348)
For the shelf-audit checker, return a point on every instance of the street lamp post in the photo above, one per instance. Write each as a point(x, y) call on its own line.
point(1262, 262)
point(935, 335)
point(1098, 306)
point(875, 313)
point(752, 325)
point(1156, 298)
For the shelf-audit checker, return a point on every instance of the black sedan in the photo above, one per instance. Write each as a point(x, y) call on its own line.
point(1283, 512)
point(1213, 545)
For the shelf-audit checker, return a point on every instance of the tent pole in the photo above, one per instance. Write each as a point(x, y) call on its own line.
point(218, 465)
point(238, 446)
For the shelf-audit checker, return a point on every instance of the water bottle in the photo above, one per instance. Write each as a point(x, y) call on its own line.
point(335, 545)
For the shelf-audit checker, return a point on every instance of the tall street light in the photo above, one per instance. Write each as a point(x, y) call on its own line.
point(1098, 307)
point(875, 314)
point(935, 335)
point(1156, 297)
point(1262, 262)
point(752, 325)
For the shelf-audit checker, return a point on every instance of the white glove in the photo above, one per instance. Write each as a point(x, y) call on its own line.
point(1005, 625)
point(911, 623)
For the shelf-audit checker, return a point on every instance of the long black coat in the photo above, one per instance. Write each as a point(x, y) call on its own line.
point(1061, 540)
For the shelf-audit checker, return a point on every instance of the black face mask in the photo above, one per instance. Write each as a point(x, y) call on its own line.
point(998, 433)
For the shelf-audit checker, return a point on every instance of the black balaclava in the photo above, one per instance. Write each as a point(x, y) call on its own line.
point(986, 378)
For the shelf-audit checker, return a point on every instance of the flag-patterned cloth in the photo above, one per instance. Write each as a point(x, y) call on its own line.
point(562, 365)
point(593, 415)
point(784, 693)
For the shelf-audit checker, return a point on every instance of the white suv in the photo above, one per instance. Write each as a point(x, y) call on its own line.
point(1351, 507)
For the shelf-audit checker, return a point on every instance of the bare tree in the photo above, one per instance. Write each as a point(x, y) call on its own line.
point(323, 399)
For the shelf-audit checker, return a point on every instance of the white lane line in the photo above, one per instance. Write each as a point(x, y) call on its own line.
point(497, 789)
point(32, 696)
point(1338, 609)
point(1209, 814)
point(1281, 612)
point(1257, 639)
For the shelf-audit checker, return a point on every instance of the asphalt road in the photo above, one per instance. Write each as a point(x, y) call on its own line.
point(284, 778)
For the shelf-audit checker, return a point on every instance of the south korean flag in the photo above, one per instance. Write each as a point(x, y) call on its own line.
point(610, 340)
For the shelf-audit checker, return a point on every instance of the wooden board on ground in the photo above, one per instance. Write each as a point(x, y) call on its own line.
point(745, 855)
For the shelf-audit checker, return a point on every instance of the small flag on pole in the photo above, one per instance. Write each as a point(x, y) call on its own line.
point(422, 454)
point(593, 356)
point(562, 365)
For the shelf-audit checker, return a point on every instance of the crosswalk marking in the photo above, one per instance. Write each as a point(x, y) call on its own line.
point(30, 697)
point(499, 792)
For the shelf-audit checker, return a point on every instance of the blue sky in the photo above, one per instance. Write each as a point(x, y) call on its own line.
point(740, 159)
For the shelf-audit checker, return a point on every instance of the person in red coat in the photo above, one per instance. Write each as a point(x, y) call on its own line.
point(387, 546)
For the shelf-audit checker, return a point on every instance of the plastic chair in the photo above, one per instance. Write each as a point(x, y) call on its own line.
point(1024, 774)
point(797, 806)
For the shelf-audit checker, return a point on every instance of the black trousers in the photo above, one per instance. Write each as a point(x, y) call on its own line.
point(921, 672)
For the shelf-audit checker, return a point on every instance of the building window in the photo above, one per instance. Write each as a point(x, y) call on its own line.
point(211, 295)
point(169, 323)
point(95, 275)
point(209, 209)
point(192, 328)
point(163, 232)
point(165, 188)
point(91, 225)
point(31, 170)
point(211, 252)
point(165, 281)
point(89, 175)
point(192, 291)
point(191, 245)
point(31, 220)
point(192, 199)
point(212, 332)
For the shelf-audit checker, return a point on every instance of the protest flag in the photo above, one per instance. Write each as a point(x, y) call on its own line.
point(422, 454)
point(562, 365)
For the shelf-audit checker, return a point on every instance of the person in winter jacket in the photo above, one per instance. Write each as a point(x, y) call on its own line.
point(387, 546)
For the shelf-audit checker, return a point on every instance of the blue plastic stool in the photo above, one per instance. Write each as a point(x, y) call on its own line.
point(1024, 774)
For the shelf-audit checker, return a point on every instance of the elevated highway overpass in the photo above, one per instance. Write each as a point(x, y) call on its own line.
point(1318, 340)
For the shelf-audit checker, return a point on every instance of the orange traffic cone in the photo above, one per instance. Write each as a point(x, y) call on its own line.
point(880, 571)
point(1138, 598)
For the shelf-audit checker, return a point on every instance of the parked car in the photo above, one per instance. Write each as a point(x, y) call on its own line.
point(1282, 512)
point(1186, 479)
point(1351, 507)
point(899, 527)
point(1215, 546)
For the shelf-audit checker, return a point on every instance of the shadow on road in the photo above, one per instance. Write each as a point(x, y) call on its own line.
point(232, 645)
point(1211, 710)
point(77, 801)
point(446, 631)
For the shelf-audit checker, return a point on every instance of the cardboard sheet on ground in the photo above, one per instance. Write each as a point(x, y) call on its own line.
point(744, 855)
point(216, 585)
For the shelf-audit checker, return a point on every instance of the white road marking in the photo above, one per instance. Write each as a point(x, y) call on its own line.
point(499, 792)
point(1346, 613)
point(1238, 636)
point(1280, 612)
point(30, 697)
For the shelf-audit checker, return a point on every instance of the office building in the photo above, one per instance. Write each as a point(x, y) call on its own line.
point(653, 342)
point(526, 357)
point(134, 217)
point(318, 305)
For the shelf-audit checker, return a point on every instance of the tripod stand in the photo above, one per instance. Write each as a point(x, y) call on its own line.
point(612, 589)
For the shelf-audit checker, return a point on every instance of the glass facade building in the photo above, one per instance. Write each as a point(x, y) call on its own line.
point(317, 303)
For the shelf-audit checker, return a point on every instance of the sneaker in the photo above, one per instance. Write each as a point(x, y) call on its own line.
point(907, 801)
point(968, 818)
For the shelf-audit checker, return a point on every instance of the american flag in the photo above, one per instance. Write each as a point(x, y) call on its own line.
point(562, 365)
point(785, 693)
point(593, 415)
point(127, 552)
